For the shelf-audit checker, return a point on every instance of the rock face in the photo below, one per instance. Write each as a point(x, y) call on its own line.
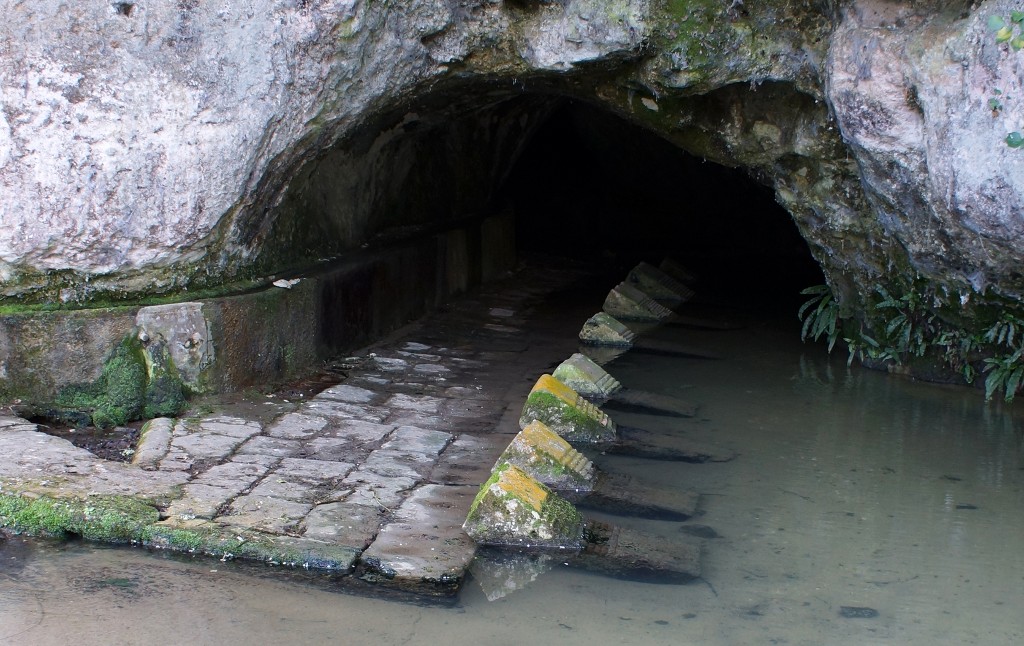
point(911, 93)
point(148, 148)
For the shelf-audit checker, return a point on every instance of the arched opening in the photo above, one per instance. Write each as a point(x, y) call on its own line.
point(590, 184)
point(579, 180)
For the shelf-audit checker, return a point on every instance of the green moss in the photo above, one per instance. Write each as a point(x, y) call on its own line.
point(561, 513)
point(568, 421)
point(495, 476)
point(212, 540)
point(133, 384)
point(116, 519)
point(165, 393)
point(117, 397)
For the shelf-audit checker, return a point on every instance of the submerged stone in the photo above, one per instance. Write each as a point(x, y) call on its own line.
point(627, 553)
point(512, 508)
point(653, 281)
point(604, 329)
point(567, 413)
point(670, 348)
point(641, 443)
point(639, 401)
point(624, 495)
point(626, 302)
point(857, 612)
point(500, 573)
point(549, 459)
point(700, 531)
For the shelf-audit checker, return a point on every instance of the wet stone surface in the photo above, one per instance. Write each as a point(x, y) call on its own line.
point(372, 472)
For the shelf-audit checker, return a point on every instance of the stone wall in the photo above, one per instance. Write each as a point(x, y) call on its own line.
point(259, 337)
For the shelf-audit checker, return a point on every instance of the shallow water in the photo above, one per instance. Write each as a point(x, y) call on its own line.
point(853, 489)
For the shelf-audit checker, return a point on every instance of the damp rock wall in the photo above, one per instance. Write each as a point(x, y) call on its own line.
point(174, 147)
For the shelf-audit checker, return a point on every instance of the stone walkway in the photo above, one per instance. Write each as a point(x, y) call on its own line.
point(373, 475)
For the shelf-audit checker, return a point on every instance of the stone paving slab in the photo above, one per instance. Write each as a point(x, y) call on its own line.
point(344, 523)
point(469, 459)
point(376, 471)
point(425, 543)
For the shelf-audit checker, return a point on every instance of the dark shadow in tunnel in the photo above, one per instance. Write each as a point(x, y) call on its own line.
point(592, 186)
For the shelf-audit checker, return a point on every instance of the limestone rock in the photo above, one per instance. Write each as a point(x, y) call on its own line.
point(658, 284)
point(587, 378)
point(913, 104)
point(626, 302)
point(514, 509)
point(565, 412)
point(549, 459)
point(154, 147)
point(603, 329)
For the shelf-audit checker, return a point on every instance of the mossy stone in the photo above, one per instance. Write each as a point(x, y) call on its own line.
point(115, 519)
point(132, 384)
point(512, 508)
point(567, 413)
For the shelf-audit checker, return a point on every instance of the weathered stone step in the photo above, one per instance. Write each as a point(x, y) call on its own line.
point(605, 331)
point(658, 284)
point(549, 459)
point(581, 423)
point(677, 271)
point(586, 377)
point(424, 548)
point(643, 302)
point(567, 413)
point(626, 302)
point(514, 510)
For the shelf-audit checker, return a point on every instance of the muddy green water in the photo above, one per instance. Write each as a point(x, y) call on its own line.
point(852, 489)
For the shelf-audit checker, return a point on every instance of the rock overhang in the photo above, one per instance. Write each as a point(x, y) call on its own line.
point(217, 162)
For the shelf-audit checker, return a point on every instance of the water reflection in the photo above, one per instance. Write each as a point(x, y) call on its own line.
point(854, 492)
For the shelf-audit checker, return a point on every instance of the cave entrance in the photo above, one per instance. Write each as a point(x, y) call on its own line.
point(592, 185)
point(447, 189)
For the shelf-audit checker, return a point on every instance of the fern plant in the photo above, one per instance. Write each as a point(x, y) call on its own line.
point(901, 324)
point(820, 315)
point(909, 326)
point(1004, 373)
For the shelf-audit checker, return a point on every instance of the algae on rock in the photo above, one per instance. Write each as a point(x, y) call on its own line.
point(131, 386)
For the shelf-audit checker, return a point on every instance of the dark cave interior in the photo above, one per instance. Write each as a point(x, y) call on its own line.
point(592, 186)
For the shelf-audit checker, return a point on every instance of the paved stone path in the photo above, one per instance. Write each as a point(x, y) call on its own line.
point(373, 475)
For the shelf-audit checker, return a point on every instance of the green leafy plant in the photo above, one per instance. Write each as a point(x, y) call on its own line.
point(958, 347)
point(1011, 31)
point(902, 322)
point(909, 325)
point(1004, 373)
point(820, 315)
point(1008, 31)
point(1005, 369)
